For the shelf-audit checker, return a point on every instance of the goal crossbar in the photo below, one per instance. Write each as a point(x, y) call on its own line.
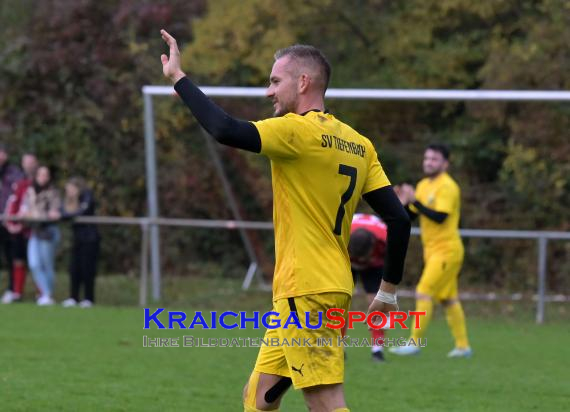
point(385, 94)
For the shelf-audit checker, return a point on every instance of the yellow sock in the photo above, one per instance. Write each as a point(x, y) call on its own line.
point(422, 305)
point(341, 410)
point(456, 321)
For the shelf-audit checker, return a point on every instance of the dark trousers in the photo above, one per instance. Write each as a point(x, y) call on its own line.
point(6, 251)
point(83, 268)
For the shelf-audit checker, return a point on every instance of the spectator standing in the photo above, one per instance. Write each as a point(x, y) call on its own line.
point(42, 204)
point(9, 175)
point(79, 201)
point(19, 232)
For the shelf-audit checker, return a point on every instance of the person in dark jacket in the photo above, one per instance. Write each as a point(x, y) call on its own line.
point(10, 174)
point(79, 201)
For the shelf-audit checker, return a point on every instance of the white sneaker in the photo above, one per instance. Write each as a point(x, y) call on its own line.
point(405, 350)
point(85, 304)
point(8, 297)
point(45, 300)
point(69, 303)
point(460, 353)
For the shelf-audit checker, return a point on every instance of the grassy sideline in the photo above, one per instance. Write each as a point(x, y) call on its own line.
point(93, 360)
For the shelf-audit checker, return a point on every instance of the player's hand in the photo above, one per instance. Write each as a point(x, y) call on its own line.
point(409, 193)
point(171, 64)
point(399, 190)
point(378, 306)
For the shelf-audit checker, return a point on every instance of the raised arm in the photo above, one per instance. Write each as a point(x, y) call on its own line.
point(224, 128)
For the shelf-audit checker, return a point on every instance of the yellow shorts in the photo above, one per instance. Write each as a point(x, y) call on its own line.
point(317, 364)
point(439, 278)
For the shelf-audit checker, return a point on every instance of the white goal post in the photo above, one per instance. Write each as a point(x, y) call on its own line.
point(346, 94)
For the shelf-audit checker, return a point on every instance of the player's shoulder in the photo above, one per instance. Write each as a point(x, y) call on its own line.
point(312, 116)
point(446, 185)
point(329, 121)
point(286, 119)
point(345, 129)
point(303, 123)
point(370, 150)
point(349, 130)
point(449, 181)
point(288, 129)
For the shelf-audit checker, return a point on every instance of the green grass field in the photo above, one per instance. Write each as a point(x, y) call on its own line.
point(55, 359)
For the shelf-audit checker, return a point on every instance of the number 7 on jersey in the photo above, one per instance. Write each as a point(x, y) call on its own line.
point(350, 172)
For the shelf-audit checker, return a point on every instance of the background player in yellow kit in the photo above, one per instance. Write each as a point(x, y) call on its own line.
point(320, 168)
point(437, 201)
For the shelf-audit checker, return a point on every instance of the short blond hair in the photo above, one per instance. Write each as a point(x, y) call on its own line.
point(312, 56)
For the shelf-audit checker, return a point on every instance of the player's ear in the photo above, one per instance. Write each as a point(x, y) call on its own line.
point(303, 83)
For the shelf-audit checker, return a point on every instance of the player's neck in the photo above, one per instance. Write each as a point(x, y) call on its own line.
point(308, 104)
point(435, 176)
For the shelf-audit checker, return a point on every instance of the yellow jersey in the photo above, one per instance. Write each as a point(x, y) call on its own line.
point(441, 194)
point(320, 168)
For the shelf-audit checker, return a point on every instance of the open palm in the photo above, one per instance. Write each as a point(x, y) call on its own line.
point(171, 64)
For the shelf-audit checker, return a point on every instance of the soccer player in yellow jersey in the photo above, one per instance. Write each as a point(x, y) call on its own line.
point(320, 168)
point(436, 200)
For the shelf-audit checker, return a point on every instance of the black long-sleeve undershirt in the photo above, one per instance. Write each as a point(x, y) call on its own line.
point(224, 128)
point(438, 217)
point(387, 205)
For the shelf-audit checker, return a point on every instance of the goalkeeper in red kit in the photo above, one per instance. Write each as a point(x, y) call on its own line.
point(367, 249)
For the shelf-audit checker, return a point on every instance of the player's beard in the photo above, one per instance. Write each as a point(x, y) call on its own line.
point(285, 107)
point(433, 172)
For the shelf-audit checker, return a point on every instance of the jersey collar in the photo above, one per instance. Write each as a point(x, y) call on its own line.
point(314, 110)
